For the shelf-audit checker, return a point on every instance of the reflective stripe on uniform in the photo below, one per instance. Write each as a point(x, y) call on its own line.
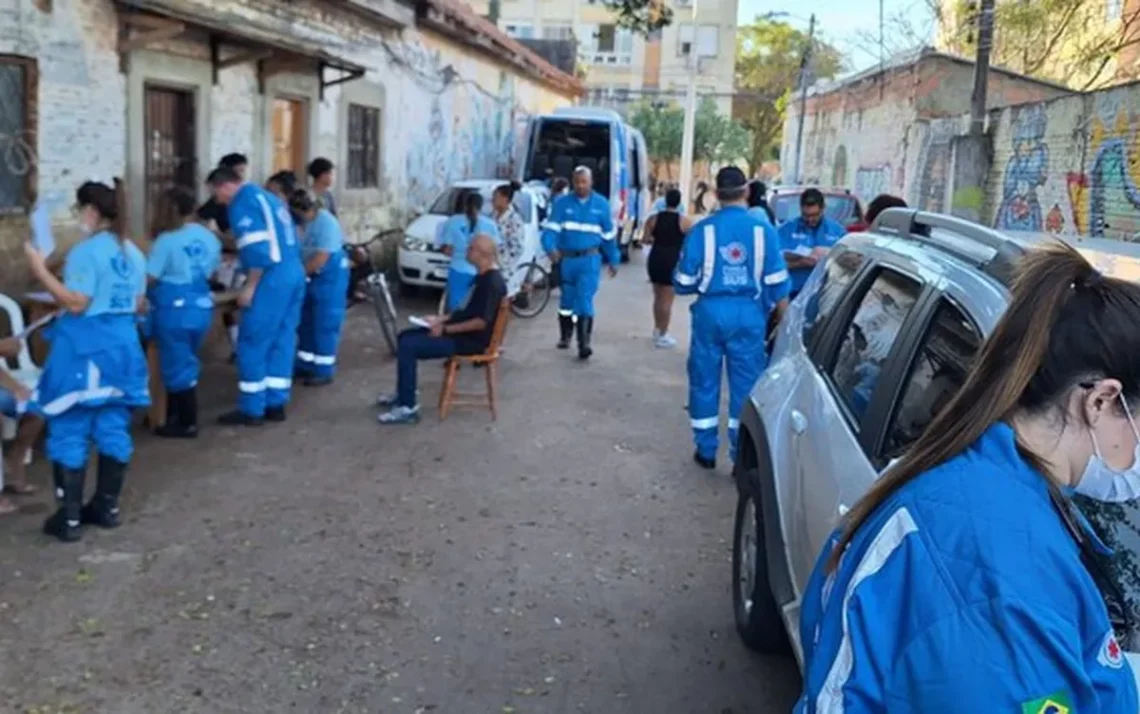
point(757, 256)
point(582, 227)
point(548, 226)
point(253, 237)
point(324, 360)
point(306, 356)
point(252, 387)
point(888, 540)
point(706, 423)
point(686, 280)
point(278, 382)
point(710, 258)
point(776, 278)
point(271, 228)
point(733, 423)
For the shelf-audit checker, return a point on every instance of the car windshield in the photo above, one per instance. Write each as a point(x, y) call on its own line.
point(839, 208)
point(450, 202)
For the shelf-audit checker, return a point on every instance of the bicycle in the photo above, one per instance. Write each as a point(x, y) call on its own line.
point(378, 291)
point(529, 289)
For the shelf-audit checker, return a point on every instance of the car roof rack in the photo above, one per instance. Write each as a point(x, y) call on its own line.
point(955, 236)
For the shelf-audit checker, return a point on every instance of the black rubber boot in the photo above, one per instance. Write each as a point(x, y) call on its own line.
point(64, 523)
point(703, 462)
point(275, 414)
point(585, 332)
point(239, 418)
point(565, 331)
point(103, 508)
point(182, 421)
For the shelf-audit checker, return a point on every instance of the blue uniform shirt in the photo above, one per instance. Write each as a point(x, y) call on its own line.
point(186, 256)
point(111, 274)
point(457, 233)
point(578, 224)
point(322, 235)
point(761, 215)
point(263, 228)
point(730, 253)
point(797, 237)
point(963, 592)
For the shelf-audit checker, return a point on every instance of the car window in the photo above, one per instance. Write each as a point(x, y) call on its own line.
point(834, 279)
point(938, 371)
point(869, 337)
point(843, 209)
point(1118, 525)
point(451, 201)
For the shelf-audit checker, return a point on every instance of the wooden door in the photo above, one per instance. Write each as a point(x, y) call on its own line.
point(289, 136)
point(170, 143)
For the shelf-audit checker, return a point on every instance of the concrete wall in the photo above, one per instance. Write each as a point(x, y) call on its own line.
point(90, 114)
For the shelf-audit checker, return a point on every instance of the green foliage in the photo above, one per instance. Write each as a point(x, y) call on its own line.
point(641, 16)
point(768, 57)
point(717, 138)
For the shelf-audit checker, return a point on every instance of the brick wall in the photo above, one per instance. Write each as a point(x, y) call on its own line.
point(432, 132)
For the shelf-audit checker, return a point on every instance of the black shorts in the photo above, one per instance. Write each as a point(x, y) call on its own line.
point(661, 264)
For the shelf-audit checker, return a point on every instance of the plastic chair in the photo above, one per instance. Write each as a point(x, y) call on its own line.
point(27, 372)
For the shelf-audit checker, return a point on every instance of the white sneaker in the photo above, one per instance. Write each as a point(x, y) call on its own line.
point(388, 399)
point(400, 415)
point(665, 342)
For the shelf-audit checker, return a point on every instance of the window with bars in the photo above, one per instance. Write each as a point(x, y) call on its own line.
point(17, 132)
point(363, 146)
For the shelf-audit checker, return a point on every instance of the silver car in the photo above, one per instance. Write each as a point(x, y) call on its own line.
point(878, 341)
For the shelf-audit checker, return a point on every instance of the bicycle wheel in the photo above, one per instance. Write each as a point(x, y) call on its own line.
point(385, 308)
point(534, 291)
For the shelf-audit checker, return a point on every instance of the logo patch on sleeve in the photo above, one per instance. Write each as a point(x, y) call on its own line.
point(1055, 703)
point(1110, 654)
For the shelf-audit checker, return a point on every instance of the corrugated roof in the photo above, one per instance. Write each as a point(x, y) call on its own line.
point(506, 46)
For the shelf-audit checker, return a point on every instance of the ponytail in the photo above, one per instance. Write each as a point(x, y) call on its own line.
point(471, 206)
point(1034, 354)
point(119, 220)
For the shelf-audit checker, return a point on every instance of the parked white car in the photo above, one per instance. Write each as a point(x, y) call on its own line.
point(420, 261)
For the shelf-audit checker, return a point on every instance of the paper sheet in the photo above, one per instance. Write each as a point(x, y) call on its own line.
point(419, 322)
point(42, 237)
point(802, 250)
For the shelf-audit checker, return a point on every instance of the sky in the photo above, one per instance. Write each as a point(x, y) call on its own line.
point(840, 20)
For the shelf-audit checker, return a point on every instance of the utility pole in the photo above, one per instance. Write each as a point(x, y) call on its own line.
point(805, 64)
point(687, 137)
point(982, 68)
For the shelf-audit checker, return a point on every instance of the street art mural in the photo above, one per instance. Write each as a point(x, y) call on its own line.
point(1026, 171)
point(470, 131)
point(870, 181)
point(929, 193)
point(1106, 198)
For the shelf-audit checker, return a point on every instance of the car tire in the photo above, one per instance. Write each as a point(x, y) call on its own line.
point(758, 617)
point(408, 290)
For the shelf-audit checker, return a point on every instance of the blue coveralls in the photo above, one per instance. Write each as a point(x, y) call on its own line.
point(457, 233)
point(963, 592)
point(582, 230)
point(96, 371)
point(182, 310)
point(733, 263)
point(323, 313)
point(797, 237)
point(267, 340)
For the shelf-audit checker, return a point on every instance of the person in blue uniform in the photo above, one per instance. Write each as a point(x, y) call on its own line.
point(732, 262)
point(270, 299)
point(966, 580)
point(96, 371)
point(578, 236)
point(326, 265)
point(808, 237)
point(184, 256)
point(454, 238)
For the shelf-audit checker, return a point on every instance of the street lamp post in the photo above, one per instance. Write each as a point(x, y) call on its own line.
point(688, 136)
point(804, 69)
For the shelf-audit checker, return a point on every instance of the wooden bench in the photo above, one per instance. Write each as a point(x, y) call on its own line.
point(449, 398)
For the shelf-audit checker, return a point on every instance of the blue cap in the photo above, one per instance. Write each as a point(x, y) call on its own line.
point(730, 178)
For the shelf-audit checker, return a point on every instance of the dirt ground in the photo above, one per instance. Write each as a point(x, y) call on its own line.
point(565, 558)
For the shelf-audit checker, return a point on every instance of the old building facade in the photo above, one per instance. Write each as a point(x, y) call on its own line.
point(403, 97)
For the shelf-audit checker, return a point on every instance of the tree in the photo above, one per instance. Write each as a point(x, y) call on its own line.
point(663, 126)
point(641, 16)
point(768, 58)
point(718, 139)
point(1071, 42)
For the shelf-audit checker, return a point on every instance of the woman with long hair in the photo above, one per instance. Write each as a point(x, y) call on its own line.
point(96, 371)
point(184, 257)
point(326, 265)
point(965, 579)
point(699, 207)
point(758, 206)
point(665, 231)
point(454, 238)
point(510, 224)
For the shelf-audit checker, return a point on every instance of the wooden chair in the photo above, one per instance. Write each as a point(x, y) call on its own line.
point(449, 398)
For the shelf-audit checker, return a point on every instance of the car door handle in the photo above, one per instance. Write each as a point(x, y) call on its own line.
point(799, 422)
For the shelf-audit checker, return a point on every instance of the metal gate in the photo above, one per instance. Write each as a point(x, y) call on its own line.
point(171, 146)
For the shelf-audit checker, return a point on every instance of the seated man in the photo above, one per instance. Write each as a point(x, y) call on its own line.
point(13, 397)
point(466, 331)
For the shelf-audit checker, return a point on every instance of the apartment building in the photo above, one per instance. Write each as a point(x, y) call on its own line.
point(621, 67)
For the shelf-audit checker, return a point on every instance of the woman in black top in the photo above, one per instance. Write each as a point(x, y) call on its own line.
point(665, 231)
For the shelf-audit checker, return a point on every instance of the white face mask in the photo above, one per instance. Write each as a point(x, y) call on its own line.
point(1103, 483)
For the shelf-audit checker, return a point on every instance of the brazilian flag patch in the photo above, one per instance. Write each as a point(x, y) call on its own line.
point(1056, 703)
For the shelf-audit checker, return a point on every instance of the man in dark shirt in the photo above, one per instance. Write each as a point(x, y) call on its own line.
point(211, 210)
point(466, 331)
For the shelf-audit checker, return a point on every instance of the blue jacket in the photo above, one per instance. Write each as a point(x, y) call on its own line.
point(576, 224)
point(730, 253)
point(797, 237)
point(963, 592)
point(265, 231)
